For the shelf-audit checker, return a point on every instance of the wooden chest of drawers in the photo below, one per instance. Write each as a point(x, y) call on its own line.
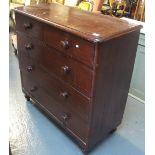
point(77, 67)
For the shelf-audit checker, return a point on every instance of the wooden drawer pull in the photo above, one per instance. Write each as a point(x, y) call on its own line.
point(29, 68)
point(29, 46)
point(65, 69)
point(64, 94)
point(65, 117)
point(34, 88)
point(27, 26)
point(64, 44)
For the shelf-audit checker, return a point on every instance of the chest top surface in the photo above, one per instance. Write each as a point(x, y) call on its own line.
point(91, 26)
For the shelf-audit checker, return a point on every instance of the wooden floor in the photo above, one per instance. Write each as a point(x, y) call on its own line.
point(32, 133)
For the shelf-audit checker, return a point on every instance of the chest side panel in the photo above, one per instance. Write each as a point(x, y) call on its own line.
point(112, 81)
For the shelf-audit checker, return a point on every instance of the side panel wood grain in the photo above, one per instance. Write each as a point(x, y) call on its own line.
point(113, 75)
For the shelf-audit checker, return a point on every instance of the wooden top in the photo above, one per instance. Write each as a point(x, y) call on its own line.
point(91, 26)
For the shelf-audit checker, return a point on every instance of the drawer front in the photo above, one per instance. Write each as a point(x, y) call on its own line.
point(71, 45)
point(66, 95)
point(66, 118)
point(64, 68)
point(29, 26)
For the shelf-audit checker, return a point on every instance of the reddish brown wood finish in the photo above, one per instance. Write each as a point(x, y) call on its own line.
point(78, 75)
point(71, 45)
point(74, 100)
point(83, 88)
point(29, 26)
point(77, 48)
point(91, 26)
point(54, 108)
point(112, 81)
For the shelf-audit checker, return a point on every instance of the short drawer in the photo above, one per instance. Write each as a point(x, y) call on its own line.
point(69, 44)
point(65, 117)
point(76, 74)
point(29, 26)
point(65, 94)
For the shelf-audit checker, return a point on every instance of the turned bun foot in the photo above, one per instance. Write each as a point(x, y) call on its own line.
point(27, 97)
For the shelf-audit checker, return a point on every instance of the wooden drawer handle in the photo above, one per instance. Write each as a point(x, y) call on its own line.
point(34, 88)
point(64, 44)
point(29, 46)
point(65, 117)
point(64, 94)
point(65, 69)
point(29, 68)
point(27, 26)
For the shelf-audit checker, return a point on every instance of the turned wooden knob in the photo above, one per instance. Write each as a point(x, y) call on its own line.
point(65, 69)
point(27, 25)
point(64, 44)
point(29, 46)
point(64, 94)
point(65, 117)
point(29, 68)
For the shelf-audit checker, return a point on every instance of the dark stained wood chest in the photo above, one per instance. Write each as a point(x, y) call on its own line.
point(76, 66)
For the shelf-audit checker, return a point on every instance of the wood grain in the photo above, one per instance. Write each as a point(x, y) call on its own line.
point(79, 22)
point(84, 88)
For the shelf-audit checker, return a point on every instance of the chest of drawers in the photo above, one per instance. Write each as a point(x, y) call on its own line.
point(76, 66)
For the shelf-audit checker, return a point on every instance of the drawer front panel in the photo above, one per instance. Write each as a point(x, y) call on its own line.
point(66, 95)
point(66, 118)
point(71, 45)
point(68, 70)
point(29, 26)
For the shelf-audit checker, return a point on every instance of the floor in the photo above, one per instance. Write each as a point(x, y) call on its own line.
point(32, 133)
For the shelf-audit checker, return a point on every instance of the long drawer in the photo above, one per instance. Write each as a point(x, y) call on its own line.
point(68, 119)
point(63, 93)
point(65, 68)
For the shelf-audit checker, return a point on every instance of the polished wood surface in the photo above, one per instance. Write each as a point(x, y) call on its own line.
point(29, 26)
point(57, 64)
point(77, 72)
point(71, 45)
point(91, 26)
point(112, 82)
point(73, 123)
point(67, 96)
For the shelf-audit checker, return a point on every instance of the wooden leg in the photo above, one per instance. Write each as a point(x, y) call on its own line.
point(85, 151)
point(15, 51)
point(112, 131)
point(27, 97)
